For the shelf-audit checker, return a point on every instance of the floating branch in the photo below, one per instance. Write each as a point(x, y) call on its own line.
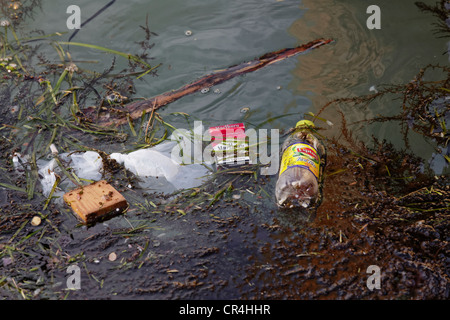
point(134, 110)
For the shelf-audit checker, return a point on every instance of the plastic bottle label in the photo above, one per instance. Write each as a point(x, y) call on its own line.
point(301, 155)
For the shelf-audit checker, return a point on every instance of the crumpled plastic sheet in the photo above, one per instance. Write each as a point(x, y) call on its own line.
point(86, 165)
point(147, 164)
point(158, 162)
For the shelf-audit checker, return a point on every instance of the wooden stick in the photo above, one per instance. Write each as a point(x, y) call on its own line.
point(135, 109)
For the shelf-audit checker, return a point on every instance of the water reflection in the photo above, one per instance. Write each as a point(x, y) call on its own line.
point(362, 59)
point(355, 60)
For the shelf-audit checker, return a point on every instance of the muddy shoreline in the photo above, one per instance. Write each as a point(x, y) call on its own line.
point(236, 250)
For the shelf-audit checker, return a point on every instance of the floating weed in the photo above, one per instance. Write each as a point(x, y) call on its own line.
point(112, 51)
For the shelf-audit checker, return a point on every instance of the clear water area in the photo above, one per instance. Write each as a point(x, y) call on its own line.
point(206, 256)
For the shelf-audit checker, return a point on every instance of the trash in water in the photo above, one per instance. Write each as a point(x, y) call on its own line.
point(96, 201)
point(86, 165)
point(158, 162)
point(229, 144)
point(112, 256)
point(155, 162)
point(302, 163)
point(20, 162)
point(35, 221)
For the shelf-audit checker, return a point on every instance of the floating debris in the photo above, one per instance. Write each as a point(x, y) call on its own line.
point(188, 33)
point(216, 91)
point(245, 110)
point(213, 79)
point(53, 149)
point(71, 67)
point(95, 201)
point(373, 89)
point(115, 98)
point(36, 221)
point(4, 23)
point(180, 175)
point(112, 256)
point(14, 109)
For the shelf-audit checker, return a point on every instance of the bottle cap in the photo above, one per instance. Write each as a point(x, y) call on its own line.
point(304, 123)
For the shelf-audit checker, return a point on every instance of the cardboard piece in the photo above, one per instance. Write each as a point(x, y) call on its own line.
point(96, 201)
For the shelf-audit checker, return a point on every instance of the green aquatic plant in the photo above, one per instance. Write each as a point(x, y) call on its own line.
point(441, 11)
point(423, 105)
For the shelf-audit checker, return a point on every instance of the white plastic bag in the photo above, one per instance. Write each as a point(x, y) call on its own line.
point(48, 177)
point(87, 165)
point(147, 163)
point(158, 162)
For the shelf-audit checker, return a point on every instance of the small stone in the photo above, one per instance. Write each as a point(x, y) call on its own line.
point(36, 221)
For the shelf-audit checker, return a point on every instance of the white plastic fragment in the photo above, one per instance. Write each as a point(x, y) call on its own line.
point(158, 162)
point(53, 149)
point(19, 162)
point(87, 165)
point(48, 177)
point(148, 164)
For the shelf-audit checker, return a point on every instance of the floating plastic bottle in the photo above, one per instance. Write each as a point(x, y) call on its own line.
point(302, 163)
